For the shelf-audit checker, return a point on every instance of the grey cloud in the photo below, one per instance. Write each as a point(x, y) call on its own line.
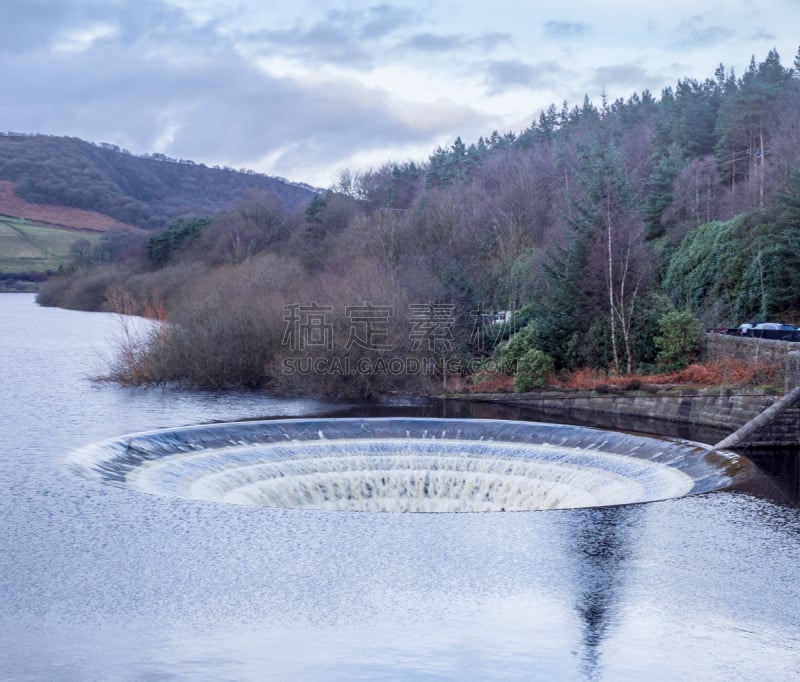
point(437, 42)
point(371, 22)
point(762, 34)
point(503, 75)
point(566, 29)
point(34, 25)
point(337, 121)
point(624, 75)
point(383, 20)
point(491, 41)
point(694, 32)
point(378, 125)
point(341, 36)
point(453, 42)
point(24, 23)
point(324, 41)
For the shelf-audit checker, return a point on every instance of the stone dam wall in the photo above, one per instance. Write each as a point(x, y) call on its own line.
point(776, 427)
point(707, 415)
point(722, 411)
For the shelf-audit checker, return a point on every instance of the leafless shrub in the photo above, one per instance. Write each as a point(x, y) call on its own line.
point(223, 333)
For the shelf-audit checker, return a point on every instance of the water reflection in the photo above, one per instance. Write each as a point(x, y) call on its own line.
point(601, 544)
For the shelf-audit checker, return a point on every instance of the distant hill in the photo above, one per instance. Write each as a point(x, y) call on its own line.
point(143, 191)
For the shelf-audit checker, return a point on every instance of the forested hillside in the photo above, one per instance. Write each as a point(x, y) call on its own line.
point(148, 191)
point(616, 229)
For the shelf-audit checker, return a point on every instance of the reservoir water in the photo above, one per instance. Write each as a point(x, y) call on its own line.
point(108, 582)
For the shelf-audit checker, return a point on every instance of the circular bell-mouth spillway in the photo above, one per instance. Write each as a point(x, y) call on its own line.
point(408, 465)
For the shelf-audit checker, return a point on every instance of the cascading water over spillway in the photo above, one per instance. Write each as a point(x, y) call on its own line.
point(408, 465)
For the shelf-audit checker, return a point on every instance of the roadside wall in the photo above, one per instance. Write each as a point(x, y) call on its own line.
point(785, 354)
point(721, 346)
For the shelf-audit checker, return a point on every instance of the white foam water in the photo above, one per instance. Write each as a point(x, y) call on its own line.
point(403, 465)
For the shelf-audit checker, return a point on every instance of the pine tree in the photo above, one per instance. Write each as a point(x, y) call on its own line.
point(789, 199)
point(743, 125)
point(693, 116)
point(562, 308)
point(667, 165)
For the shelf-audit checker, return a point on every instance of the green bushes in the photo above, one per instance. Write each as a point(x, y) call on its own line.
point(507, 354)
point(533, 370)
point(679, 340)
point(530, 366)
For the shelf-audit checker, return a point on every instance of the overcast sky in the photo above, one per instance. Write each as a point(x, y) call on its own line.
point(305, 89)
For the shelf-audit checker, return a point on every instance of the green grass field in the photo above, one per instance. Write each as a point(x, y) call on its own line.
point(27, 246)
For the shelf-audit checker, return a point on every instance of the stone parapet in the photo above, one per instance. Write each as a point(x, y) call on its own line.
point(792, 369)
point(721, 346)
